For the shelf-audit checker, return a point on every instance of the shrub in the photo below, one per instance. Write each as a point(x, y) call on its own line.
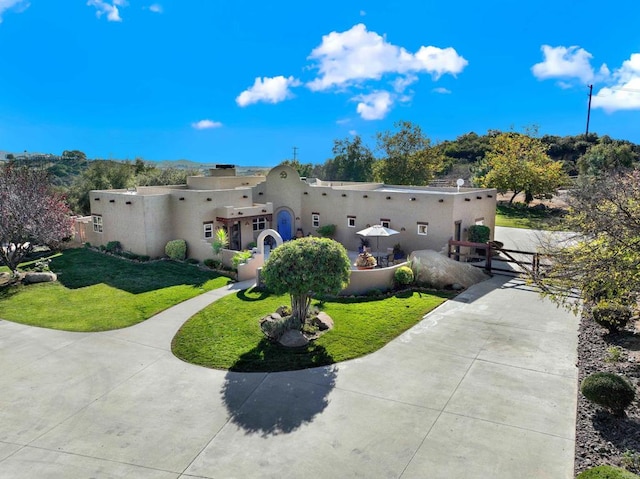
point(606, 472)
point(239, 258)
point(630, 459)
point(192, 261)
point(252, 245)
point(610, 315)
point(220, 242)
point(87, 245)
point(209, 262)
point(113, 247)
point(144, 257)
point(374, 293)
point(614, 354)
point(403, 275)
point(327, 231)
point(273, 329)
point(608, 390)
point(479, 233)
point(102, 247)
point(176, 249)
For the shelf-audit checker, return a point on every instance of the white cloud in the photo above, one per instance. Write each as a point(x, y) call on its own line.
point(567, 63)
point(625, 93)
point(20, 5)
point(374, 106)
point(206, 124)
point(343, 121)
point(356, 55)
point(441, 90)
point(362, 13)
point(155, 8)
point(401, 83)
point(353, 132)
point(268, 90)
point(110, 9)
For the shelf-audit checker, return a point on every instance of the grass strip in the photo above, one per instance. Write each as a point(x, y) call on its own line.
point(97, 292)
point(226, 334)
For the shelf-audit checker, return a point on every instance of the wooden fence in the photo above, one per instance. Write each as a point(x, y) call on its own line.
point(490, 257)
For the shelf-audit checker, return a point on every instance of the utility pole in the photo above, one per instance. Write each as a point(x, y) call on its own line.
point(295, 153)
point(589, 108)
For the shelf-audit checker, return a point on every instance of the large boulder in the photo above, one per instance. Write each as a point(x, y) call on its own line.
point(293, 338)
point(36, 277)
point(440, 272)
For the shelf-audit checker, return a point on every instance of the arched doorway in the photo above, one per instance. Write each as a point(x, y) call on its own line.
point(285, 225)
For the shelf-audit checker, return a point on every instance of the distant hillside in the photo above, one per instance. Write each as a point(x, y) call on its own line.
point(192, 165)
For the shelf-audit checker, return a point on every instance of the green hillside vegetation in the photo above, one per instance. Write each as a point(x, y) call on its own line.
point(406, 149)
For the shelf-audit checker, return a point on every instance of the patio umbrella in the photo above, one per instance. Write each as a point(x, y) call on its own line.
point(376, 231)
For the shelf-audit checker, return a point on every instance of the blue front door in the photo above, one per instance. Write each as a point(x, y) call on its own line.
point(284, 225)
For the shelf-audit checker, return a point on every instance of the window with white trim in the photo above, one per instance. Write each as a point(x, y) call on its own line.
point(208, 230)
point(422, 228)
point(480, 221)
point(259, 223)
point(351, 221)
point(315, 220)
point(385, 222)
point(97, 224)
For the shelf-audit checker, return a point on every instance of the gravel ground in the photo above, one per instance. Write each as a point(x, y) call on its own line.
point(600, 437)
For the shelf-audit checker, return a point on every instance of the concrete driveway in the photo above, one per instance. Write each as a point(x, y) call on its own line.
point(484, 386)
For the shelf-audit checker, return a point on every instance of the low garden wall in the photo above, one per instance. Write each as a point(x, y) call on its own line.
point(365, 280)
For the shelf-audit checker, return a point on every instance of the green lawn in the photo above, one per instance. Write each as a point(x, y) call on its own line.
point(518, 216)
point(226, 335)
point(96, 292)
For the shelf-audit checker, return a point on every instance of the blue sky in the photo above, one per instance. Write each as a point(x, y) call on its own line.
point(245, 81)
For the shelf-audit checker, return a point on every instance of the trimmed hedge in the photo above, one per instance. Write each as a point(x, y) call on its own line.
point(606, 472)
point(610, 315)
point(403, 275)
point(608, 390)
point(176, 249)
point(479, 233)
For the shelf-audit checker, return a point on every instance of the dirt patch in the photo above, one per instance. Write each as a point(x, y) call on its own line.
point(558, 201)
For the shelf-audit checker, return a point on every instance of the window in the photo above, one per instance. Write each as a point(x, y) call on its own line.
point(386, 223)
point(315, 220)
point(422, 228)
point(97, 224)
point(480, 221)
point(208, 230)
point(259, 223)
point(351, 221)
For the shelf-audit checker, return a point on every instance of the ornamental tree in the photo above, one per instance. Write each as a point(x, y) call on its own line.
point(306, 267)
point(601, 257)
point(408, 157)
point(519, 163)
point(30, 214)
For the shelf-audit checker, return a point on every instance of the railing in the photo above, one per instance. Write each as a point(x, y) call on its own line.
point(528, 261)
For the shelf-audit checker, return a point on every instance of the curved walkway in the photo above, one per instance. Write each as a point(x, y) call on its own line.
point(484, 386)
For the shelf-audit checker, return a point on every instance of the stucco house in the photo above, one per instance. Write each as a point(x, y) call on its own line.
point(144, 219)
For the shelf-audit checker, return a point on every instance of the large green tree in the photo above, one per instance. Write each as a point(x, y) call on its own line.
point(303, 169)
point(305, 267)
point(408, 157)
point(352, 161)
point(601, 258)
point(518, 163)
point(31, 214)
point(606, 157)
point(100, 175)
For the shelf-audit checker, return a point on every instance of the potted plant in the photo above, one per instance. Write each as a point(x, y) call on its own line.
point(365, 261)
point(398, 252)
